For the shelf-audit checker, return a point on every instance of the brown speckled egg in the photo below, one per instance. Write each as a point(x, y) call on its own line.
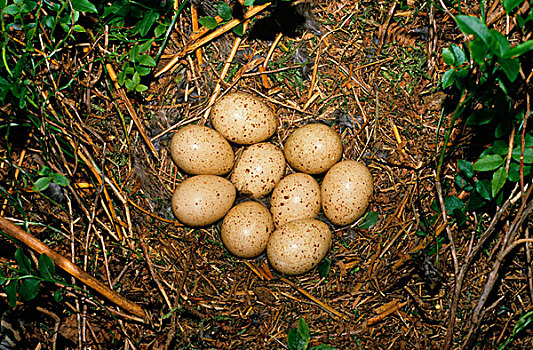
point(246, 229)
point(296, 196)
point(258, 169)
point(202, 200)
point(345, 191)
point(242, 118)
point(298, 246)
point(200, 150)
point(313, 148)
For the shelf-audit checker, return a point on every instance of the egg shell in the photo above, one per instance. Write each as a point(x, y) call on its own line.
point(243, 118)
point(298, 246)
point(296, 196)
point(202, 200)
point(346, 191)
point(199, 150)
point(258, 169)
point(313, 148)
point(246, 229)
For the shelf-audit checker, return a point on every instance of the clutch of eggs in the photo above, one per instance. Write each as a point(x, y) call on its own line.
point(294, 240)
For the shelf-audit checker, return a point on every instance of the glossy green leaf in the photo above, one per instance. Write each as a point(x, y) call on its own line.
point(483, 189)
point(44, 171)
point(47, 267)
point(500, 147)
point(141, 88)
point(499, 43)
point(370, 220)
point(474, 26)
point(239, 29)
point(448, 57)
point(514, 171)
point(42, 184)
point(60, 179)
point(295, 341)
point(29, 288)
point(23, 261)
point(465, 167)
point(11, 292)
point(323, 267)
point(499, 178)
point(519, 49)
point(147, 61)
point(83, 6)
point(478, 51)
point(528, 154)
point(510, 5)
point(146, 23)
point(511, 68)
point(303, 330)
point(11, 10)
point(448, 78)
point(224, 11)
point(208, 22)
point(488, 163)
point(136, 79)
point(459, 54)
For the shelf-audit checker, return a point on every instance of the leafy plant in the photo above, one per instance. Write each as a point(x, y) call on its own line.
point(225, 12)
point(486, 75)
point(522, 323)
point(136, 67)
point(24, 283)
point(298, 338)
point(47, 177)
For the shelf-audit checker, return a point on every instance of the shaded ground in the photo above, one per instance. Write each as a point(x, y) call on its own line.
point(373, 74)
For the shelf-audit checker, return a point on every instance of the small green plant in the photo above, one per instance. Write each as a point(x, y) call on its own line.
point(522, 323)
point(225, 12)
point(298, 338)
point(47, 177)
point(24, 283)
point(485, 74)
point(136, 67)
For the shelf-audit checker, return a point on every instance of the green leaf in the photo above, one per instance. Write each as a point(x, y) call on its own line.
point(323, 347)
point(475, 202)
point(370, 220)
point(488, 162)
point(146, 23)
point(11, 291)
point(323, 267)
point(136, 79)
point(11, 10)
point(483, 188)
point(249, 3)
point(499, 43)
point(147, 61)
point(60, 179)
point(523, 322)
point(29, 288)
point(160, 30)
point(47, 268)
point(448, 78)
point(500, 147)
point(459, 54)
point(514, 171)
point(519, 49)
point(465, 167)
point(44, 171)
point(294, 341)
point(499, 178)
point(511, 68)
point(478, 51)
point(474, 26)
point(3, 277)
point(142, 70)
point(239, 29)
point(23, 261)
point(510, 5)
point(129, 84)
point(303, 330)
point(528, 154)
point(448, 57)
point(208, 22)
point(480, 117)
point(83, 6)
point(141, 88)
point(58, 295)
point(224, 11)
point(42, 184)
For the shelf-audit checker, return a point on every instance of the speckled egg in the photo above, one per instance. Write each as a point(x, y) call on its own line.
point(346, 191)
point(313, 148)
point(202, 200)
point(298, 246)
point(246, 229)
point(200, 150)
point(258, 169)
point(242, 118)
point(296, 196)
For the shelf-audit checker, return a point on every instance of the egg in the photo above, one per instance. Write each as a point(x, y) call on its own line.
point(246, 229)
point(298, 246)
point(258, 169)
point(313, 148)
point(202, 200)
point(200, 150)
point(346, 191)
point(243, 119)
point(296, 196)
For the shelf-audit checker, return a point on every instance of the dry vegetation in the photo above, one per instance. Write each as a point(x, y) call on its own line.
point(373, 74)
